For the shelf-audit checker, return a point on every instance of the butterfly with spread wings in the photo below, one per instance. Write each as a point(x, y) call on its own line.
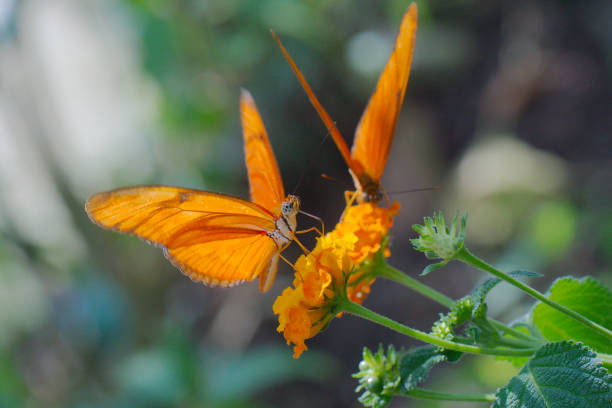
point(213, 238)
point(367, 159)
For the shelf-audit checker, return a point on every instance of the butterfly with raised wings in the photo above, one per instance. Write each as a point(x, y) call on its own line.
point(367, 158)
point(213, 238)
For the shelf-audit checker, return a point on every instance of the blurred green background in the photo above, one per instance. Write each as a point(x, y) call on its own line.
point(508, 110)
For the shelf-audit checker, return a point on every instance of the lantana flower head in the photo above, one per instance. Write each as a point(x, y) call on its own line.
point(439, 241)
point(335, 265)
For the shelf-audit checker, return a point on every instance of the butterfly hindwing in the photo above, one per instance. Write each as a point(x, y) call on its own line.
point(225, 262)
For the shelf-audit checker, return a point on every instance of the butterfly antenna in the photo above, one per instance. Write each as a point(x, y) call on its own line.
point(342, 183)
point(299, 182)
point(386, 196)
point(310, 162)
point(329, 123)
point(414, 190)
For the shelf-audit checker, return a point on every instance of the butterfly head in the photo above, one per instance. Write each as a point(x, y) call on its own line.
point(291, 206)
point(287, 222)
point(371, 193)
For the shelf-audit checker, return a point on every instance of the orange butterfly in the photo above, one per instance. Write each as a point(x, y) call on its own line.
point(374, 134)
point(212, 238)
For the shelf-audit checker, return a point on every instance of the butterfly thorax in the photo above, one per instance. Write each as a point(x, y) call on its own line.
point(286, 223)
point(368, 190)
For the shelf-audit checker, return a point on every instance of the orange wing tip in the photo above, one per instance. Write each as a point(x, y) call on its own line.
point(411, 19)
point(246, 97)
point(411, 16)
point(94, 203)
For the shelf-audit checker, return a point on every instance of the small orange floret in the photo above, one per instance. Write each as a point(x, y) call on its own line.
point(369, 224)
point(303, 310)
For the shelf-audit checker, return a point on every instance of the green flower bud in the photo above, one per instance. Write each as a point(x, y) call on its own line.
point(379, 376)
point(438, 241)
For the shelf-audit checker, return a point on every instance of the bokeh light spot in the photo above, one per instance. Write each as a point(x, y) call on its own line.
point(368, 51)
point(553, 228)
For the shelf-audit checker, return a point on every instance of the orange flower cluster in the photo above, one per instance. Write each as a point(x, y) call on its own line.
point(333, 265)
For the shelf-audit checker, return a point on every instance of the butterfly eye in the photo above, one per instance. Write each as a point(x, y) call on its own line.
point(286, 207)
point(373, 195)
point(290, 206)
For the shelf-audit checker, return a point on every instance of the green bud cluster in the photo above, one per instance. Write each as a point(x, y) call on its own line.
point(437, 240)
point(460, 312)
point(379, 376)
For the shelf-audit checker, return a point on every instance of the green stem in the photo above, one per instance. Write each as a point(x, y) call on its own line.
point(445, 396)
point(345, 305)
point(387, 271)
point(512, 331)
point(508, 341)
point(465, 256)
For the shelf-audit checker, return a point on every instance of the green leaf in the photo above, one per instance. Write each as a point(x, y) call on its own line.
point(432, 267)
point(481, 291)
point(518, 361)
point(416, 364)
point(558, 375)
point(521, 272)
point(452, 356)
point(486, 333)
point(585, 296)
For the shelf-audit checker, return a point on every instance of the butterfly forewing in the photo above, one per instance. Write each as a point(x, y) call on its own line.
point(214, 238)
point(157, 212)
point(329, 123)
point(264, 178)
point(374, 133)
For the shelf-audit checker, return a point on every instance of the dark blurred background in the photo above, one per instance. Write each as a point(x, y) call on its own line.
point(508, 110)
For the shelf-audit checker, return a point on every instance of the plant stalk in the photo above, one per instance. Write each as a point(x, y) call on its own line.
point(387, 271)
point(398, 276)
point(445, 396)
point(465, 256)
point(508, 341)
point(345, 305)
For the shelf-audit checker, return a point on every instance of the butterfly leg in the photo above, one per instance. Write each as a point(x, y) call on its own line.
point(297, 241)
point(350, 197)
point(286, 260)
point(308, 230)
point(314, 217)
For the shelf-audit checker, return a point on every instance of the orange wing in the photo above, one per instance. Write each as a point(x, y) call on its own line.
point(228, 262)
point(264, 178)
point(210, 237)
point(374, 133)
point(329, 123)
